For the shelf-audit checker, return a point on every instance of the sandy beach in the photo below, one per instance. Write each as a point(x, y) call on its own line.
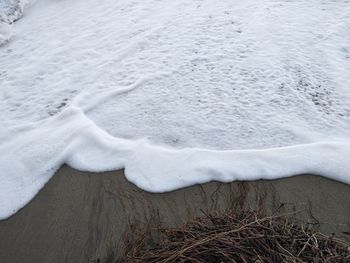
point(82, 217)
point(202, 96)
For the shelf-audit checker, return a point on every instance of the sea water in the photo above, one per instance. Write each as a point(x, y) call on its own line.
point(176, 92)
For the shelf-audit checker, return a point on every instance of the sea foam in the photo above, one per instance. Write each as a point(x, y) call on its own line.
point(175, 92)
point(10, 11)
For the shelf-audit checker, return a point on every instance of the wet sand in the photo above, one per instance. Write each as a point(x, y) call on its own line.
point(81, 217)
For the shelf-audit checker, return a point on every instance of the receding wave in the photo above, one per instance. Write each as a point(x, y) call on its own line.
point(176, 92)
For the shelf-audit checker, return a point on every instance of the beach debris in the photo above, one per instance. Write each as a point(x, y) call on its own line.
point(248, 236)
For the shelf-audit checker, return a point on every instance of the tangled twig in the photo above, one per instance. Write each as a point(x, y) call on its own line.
point(244, 237)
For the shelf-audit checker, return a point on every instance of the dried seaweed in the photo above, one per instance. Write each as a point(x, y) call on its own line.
point(247, 236)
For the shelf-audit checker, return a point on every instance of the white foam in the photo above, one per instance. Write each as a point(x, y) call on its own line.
point(175, 92)
point(31, 160)
point(10, 11)
point(5, 33)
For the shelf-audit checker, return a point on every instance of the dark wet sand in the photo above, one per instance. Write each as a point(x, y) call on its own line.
point(80, 217)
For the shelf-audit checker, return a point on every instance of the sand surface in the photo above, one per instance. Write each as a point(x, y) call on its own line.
point(81, 217)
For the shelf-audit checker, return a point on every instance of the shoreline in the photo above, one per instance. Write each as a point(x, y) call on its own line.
point(81, 216)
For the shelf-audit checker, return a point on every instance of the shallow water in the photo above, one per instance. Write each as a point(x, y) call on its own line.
point(115, 84)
